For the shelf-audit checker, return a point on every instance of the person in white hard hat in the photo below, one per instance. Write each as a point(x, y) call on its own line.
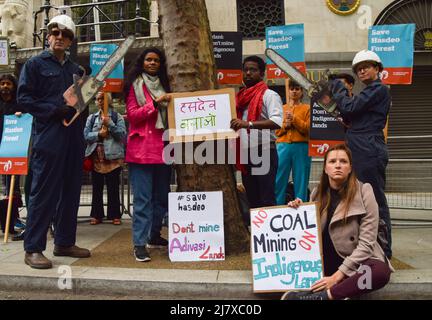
point(367, 115)
point(58, 151)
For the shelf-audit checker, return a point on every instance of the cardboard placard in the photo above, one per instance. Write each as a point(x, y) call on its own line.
point(285, 248)
point(196, 227)
point(202, 115)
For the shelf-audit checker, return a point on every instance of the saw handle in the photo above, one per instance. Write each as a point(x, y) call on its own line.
point(66, 123)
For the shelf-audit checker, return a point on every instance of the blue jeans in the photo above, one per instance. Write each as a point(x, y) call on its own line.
point(150, 185)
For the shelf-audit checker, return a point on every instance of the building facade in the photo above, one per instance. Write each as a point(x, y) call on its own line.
point(333, 36)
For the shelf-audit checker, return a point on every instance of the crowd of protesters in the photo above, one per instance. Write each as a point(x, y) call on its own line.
point(353, 174)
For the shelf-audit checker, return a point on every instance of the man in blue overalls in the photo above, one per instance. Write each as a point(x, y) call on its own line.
point(367, 115)
point(58, 151)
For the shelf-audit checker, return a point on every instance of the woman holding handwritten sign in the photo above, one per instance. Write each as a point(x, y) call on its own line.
point(354, 262)
point(146, 103)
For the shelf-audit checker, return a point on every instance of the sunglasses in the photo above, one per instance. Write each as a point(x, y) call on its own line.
point(64, 33)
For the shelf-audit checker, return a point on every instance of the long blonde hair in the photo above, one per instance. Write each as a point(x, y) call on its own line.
point(348, 190)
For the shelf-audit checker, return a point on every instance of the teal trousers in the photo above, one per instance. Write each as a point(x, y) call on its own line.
point(292, 156)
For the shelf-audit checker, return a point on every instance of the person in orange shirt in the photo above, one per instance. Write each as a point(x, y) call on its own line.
point(292, 146)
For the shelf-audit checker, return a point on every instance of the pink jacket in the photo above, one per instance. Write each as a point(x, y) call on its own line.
point(144, 144)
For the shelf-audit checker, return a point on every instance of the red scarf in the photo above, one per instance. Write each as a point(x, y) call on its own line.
point(251, 99)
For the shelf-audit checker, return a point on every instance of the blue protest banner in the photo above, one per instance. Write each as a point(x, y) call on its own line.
point(288, 41)
point(14, 145)
point(394, 44)
point(99, 54)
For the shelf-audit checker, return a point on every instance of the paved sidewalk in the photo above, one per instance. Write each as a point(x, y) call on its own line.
point(412, 245)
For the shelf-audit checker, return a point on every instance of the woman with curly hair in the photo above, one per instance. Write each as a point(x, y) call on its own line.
point(146, 102)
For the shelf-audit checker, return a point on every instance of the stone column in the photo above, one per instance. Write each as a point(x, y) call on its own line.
point(154, 16)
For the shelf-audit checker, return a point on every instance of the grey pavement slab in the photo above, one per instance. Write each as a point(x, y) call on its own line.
point(411, 245)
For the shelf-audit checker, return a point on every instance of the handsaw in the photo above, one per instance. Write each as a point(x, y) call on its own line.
point(314, 90)
point(81, 93)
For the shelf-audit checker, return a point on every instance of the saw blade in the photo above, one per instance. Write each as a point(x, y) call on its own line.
point(290, 70)
point(80, 94)
point(313, 89)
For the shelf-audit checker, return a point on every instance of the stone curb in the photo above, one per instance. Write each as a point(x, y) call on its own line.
point(405, 284)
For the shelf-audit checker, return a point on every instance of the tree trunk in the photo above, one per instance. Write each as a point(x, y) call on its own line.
point(185, 31)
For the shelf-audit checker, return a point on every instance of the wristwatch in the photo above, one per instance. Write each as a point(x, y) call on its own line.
point(250, 125)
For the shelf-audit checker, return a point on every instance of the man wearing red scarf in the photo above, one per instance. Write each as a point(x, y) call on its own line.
point(259, 109)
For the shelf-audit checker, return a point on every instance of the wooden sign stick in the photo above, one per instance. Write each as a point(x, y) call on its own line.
point(9, 208)
point(105, 108)
point(287, 82)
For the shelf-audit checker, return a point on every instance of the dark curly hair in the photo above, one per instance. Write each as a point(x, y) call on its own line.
point(260, 62)
point(12, 79)
point(137, 69)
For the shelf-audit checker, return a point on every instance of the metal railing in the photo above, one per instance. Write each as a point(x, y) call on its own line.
point(408, 182)
point(409, 185)
point(119, 19)
point(125, 192)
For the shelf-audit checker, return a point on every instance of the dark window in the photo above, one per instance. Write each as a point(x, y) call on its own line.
point(254, 16)
point(413, 11)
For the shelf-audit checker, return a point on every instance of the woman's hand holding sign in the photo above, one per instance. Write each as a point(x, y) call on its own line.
point(295, 203)
point(327, 282)
point(163, 98)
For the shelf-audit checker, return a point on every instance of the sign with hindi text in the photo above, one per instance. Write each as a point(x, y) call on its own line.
point(195, 227)
point(201, 115)
point(285, 248)
point(14, 145)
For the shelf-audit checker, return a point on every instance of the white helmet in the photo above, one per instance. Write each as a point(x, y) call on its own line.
point(366, 55)
point(63, 22)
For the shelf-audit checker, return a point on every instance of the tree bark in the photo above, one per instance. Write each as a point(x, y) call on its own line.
point(188, 46)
